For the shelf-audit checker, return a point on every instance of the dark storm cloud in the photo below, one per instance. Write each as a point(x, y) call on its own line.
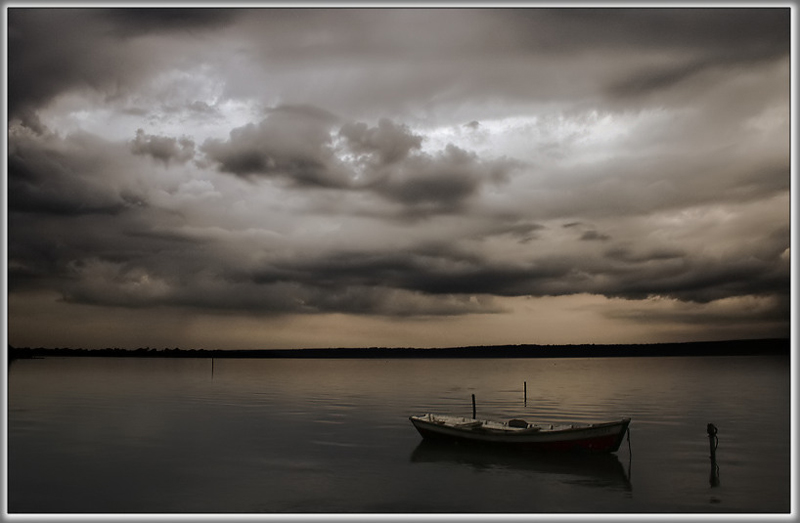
point(100, 283)
point(594, 236)
point(702, 40)
point(126, 261)
point(738, 33)
point(54, 51)
point(442, 182)
point(388, 141)
point(140, 269)
point(75, 198)
point(293, 144)
point(655, 79)
point(47, 54)
point(145, 268)
point(163, 148)
point(51, 51)
point(44, 248)
point(627, 255)
point(773, 312)
point(398, 58)
point(758, 268)
point(503, 225)
point(401, 59)
point(705, 281)
point(136, 21)
point(298, 146)
point(389, 161)
point(624, 186)
point(588, 233)
point(151, 267)
point(68, 177)
point(435, 271)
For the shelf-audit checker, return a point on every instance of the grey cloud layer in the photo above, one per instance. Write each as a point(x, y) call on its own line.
point(398, 59)
point(339, 194)
point(123, 261)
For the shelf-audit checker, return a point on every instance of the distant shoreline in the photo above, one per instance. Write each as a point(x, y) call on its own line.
point(773, 346)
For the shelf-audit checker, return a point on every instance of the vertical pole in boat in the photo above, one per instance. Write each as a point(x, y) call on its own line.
point(473, 406)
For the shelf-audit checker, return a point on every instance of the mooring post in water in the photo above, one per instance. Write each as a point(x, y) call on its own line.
point(525, 390)
point(712, 439)
point(473, 406)
point(713, 442)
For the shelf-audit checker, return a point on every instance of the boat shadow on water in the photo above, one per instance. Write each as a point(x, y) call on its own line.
point(603, 471)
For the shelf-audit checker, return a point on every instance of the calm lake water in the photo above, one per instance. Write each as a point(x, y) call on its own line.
point(153, 435)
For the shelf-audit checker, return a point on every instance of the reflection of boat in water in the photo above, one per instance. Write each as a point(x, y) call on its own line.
point(591, 470)
point(519, 434)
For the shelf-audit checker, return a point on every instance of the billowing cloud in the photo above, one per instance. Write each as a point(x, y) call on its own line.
point(385, 144)
point(291, 144)
point(444, 181)
point(163, 148)
point(301, 148)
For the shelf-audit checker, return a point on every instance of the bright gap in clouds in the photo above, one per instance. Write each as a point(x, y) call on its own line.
point(565, 137)
point(205, 116)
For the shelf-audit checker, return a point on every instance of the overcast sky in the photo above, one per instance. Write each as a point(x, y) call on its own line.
point(287, 178)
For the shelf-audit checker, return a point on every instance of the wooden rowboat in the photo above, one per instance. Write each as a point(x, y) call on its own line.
point(584, 437)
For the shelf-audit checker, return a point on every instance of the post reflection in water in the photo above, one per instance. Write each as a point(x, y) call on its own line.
point(603, 471)
point(713, 478)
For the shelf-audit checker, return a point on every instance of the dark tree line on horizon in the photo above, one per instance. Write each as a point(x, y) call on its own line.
point(777, 346)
